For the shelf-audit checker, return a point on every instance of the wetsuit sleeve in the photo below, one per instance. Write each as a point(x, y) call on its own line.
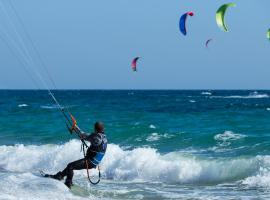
point(82, 134)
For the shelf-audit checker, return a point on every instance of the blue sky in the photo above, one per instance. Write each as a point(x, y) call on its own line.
point(90, 44)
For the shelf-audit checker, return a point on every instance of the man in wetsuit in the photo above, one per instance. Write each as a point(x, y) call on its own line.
point(93, 157)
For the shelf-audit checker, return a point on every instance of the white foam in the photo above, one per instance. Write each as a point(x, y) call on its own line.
point(23, 162)
point(262, 177)
point(259, 96)
point(50, 107)
point(206, 93)
point(228, 136)
point(152, 126)
point(139, 164)
point(28, 186)
point(192, 101)
point(147, 164)
point(157, 136)
point(254, 95)
point(153, 137)
point(22, 105)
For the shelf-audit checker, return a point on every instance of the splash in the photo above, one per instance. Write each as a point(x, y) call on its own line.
point(144, 164)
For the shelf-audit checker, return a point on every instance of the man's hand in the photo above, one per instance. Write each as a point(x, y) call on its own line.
point(77, 129)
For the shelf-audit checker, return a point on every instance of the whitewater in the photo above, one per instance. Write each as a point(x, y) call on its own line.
point(19, 167)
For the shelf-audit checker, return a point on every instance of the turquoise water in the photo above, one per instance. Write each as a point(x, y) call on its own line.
point(163, 144)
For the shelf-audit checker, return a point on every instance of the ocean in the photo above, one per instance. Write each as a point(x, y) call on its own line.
point(163, 144)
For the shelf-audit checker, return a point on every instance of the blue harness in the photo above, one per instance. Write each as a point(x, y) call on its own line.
point(97, 159)
point(100, 146)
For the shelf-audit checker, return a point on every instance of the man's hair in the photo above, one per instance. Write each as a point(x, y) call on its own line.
point(98, 126)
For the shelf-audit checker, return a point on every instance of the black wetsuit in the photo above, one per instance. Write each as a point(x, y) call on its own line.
point(98, 146)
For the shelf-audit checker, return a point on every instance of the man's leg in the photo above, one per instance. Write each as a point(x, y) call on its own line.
point(68, 171)
point(76, 165)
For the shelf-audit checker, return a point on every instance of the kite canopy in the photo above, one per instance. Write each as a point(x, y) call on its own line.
point(220, 14)
point(207, 42)
point(268, 34)
point(182, 22)
point(134, 64)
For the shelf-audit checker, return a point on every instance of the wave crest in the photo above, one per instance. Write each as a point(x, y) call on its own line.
point(206, 93)
point(144, 164)
point(253, 95)
point(228, 136)
point(22, 105)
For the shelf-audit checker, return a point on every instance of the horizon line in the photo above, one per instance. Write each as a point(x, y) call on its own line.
point(156, 89)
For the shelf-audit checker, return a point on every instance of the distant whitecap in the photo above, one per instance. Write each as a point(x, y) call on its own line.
point(152, 126)
point(206, 93)
point(228, 136)
point(22, 105)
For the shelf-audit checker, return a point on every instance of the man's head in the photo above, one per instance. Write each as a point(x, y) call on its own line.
point(99, 127)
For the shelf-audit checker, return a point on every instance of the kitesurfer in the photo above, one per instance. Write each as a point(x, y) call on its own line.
point(93, 156)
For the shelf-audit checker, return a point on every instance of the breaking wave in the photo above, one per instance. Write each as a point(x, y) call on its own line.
point(144, 164)
point(262, 178)
point(254, 95)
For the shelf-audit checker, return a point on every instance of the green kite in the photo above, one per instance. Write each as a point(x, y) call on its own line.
point(220, 14)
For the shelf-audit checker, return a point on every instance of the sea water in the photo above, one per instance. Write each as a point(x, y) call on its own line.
point(162, 144)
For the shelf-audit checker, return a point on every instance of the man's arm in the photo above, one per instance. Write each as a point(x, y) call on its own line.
point(82, 134)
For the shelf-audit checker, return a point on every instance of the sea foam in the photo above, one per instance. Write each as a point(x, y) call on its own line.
point(22, 105)
point(206, 93)
point(144, 164)
point(152, 126)
point(253, 95)
point(228, 136)
point(157, 136)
